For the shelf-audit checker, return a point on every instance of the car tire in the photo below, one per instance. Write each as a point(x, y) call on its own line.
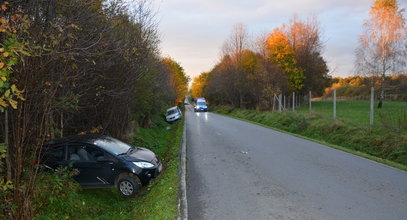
point(128, 186)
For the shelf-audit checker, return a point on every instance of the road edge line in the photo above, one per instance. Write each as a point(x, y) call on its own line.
point(183, 203)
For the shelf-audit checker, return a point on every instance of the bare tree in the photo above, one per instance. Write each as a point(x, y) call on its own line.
point(234, 47)
point(382, 47)
point(237, 42)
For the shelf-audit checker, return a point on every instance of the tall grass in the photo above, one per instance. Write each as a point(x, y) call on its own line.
point(397, 122)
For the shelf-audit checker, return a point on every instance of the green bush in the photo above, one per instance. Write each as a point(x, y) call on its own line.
point(56, 189)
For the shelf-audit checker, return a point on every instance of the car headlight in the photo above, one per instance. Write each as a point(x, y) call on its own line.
point(143, 164)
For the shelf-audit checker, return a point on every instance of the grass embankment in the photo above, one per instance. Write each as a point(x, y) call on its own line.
point(159, 200)
point(377, 143)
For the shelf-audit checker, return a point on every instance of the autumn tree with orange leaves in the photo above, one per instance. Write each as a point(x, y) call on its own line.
point(179, 79)
point(282, 53)
point(305, 40)
point(287, 60)
point(383, 44)
point(198, 85)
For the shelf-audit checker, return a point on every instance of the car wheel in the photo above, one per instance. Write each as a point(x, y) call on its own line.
point(128, 186)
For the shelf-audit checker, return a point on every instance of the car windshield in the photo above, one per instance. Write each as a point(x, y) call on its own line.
point(171, 112)
point(201, 103)
point(113, 145)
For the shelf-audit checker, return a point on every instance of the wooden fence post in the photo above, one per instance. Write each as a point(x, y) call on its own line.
point(334, 99)
point(279, 102)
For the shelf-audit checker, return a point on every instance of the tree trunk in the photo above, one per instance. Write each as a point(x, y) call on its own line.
point(240, 100)
point(62, 125)
point(52, 127)
point(381, 97)
point(8, 153)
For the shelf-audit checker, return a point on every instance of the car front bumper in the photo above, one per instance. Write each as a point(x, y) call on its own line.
point(147, 174)
point(174, 118)
point(201, 109)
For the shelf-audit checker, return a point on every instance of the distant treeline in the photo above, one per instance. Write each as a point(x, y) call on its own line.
point(250, 73)
point(395, 87)
point(74, 66)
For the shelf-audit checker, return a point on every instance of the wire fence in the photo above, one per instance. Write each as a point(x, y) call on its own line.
point(360, 110)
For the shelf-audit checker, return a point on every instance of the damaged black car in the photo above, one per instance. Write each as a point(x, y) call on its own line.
point(103, 161)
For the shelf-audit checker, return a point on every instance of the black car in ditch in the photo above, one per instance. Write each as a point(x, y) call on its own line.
point(103, 161)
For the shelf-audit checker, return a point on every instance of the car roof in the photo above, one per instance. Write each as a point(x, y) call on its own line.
point(86, 138)
point(172, 108)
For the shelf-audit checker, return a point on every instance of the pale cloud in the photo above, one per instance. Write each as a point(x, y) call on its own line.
point(193, 31)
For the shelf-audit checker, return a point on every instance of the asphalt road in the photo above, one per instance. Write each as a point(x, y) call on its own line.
point(238, 170)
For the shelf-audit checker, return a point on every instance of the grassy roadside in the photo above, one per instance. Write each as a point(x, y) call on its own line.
point(378, 144)
point(159, 200)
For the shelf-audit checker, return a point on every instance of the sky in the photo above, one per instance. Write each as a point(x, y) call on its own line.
point(192, 32)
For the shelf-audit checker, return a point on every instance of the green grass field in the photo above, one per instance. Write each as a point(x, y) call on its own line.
point(158, 200)
point(358, 112)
